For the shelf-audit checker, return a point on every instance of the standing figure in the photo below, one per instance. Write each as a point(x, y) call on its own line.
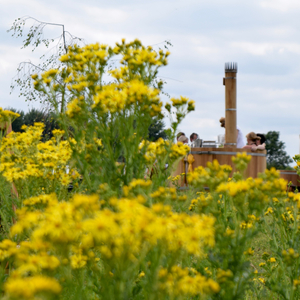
point(240, 140)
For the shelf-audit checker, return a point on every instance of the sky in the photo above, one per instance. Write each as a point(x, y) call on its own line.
point(262, 36)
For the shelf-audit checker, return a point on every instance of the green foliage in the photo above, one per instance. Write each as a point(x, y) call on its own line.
point(156, 130)
point(118, 114)
point(7, 200)
point(276, 155)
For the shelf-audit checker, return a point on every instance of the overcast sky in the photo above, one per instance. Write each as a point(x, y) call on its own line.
point(262, 36)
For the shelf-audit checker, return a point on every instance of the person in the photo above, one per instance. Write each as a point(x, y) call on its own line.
point(195, 141)
point(260, 144)
point(251, 140)
point(179, 134)
point(239, 140)
point(193, 137)
point(183, 139)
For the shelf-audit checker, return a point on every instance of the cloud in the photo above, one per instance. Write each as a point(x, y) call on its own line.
point(105, 15)
point(281, 5)
point(267, 48)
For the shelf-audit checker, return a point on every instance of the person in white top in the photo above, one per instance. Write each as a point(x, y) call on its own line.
point(240, 137)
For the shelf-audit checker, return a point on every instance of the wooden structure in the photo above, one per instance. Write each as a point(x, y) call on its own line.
point(292, 177)
point(202, 156)
point(224, 156)
point(230, 105)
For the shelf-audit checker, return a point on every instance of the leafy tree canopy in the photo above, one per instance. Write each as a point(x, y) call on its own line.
point(156, 130)
point(276, 155)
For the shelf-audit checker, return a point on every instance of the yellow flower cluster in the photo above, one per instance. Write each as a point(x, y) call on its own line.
point(201, 201)
point(174, 178)
point(7, 116)
point(288, 215)
point(210, 176)
point(151, 225)
point(118, 97)
point(180, 102)
point(252, 185)
point(29, 287)
point(269, 211)
point(155, 151)
point(233, 188)
point(42, 200)
point(140, 56)
point(83, 76)
point(290, 256)
point(47, 76)
point(24, 156)
point(246, 225)
point(82, 57)
point(84, 229)
point(241, 160)
point(180, 282)
point(74, 106)
point(296, 282)
point(164, 194)
point(272, 260)
point(249, 251)
point(223, 276)
point(178, 150)
point(136, 185)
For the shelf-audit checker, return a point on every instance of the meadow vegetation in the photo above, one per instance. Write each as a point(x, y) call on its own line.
point(94, 213)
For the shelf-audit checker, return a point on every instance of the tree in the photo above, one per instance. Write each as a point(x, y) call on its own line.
point(276, 155)
point(156, 130)
point(35, 38)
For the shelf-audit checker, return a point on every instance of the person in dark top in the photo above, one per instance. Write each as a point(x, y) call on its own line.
point(260, 144)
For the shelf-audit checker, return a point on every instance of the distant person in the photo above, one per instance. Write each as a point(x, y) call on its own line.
point(195, 141)
point(183, 139)
point(179, 134)
point(239, 140)
point(251, 140)
point(260, 144)
point(193, 137)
